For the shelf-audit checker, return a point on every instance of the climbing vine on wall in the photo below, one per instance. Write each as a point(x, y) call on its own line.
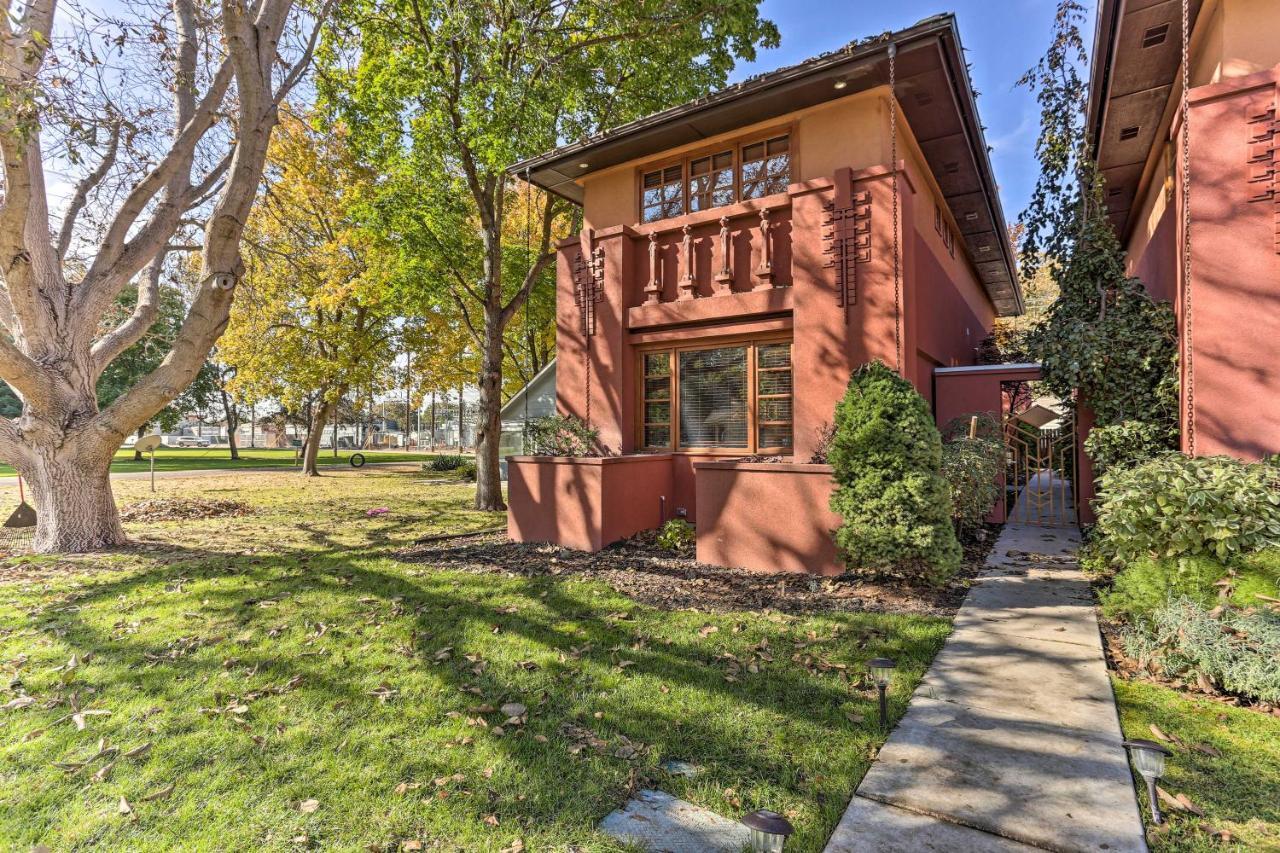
point(1103, 337)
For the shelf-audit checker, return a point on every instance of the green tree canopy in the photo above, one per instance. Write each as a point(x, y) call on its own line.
point(444, 97)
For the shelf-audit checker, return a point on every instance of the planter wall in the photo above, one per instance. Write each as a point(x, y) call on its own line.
point(767, 516)
point(586, 503)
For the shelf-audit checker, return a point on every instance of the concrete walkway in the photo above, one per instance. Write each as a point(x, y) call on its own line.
point(1011, 742)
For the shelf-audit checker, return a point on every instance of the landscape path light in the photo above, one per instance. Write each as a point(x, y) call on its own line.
point(882, 673)
point(768, 830)
point(1148, 756)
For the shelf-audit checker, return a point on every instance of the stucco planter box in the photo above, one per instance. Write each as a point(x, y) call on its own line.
point(586, 503)
point(766, 516)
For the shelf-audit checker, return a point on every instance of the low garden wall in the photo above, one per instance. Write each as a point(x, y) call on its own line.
point(586, 502)
point(767, 516)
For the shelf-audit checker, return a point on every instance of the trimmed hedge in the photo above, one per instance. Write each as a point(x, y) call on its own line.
point(887, 454)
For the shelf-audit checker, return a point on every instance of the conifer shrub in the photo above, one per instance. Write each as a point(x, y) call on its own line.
point(895, 505)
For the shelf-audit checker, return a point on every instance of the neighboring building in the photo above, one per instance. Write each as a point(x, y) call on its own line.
point(1229, 308)
point(535, 400)
point(740, 256)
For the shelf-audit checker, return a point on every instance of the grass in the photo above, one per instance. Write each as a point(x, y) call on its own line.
point(286, 657)
point(1237, 788)
point(217, 458)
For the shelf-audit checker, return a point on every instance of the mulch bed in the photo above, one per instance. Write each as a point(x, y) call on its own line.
point(651, 575)
point(182, 509)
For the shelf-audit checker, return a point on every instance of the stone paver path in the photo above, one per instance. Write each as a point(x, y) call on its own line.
point(1011, 742)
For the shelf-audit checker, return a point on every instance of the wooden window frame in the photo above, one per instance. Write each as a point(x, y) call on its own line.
point(673, 350)
point(645, 400)
point(734, 145)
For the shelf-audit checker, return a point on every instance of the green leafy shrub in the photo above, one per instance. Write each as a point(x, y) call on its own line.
point(562, 435)
point(446, 462)
point(676, 535)
point(988, 427)
point(1233, 649)
point(971, 467)
point(1126, 444)
point(1149, 583)
point(887, 454)
point(467, 471)
point(1175, 506)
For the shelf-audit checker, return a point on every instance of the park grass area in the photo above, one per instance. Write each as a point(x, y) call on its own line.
point(280, 680)
point(218, 458)
point(1226, 762)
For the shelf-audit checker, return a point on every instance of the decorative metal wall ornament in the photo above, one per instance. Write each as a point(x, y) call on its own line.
point(653, 290)
point(724, 278)
point(687, 281)
point(764, 272)
point(846, 239)
point(588, 283)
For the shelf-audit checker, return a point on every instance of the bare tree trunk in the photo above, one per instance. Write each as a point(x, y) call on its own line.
point(137, 454)
point(320, 413)
point(489, 414)
point(232, 417)
point(71, 491)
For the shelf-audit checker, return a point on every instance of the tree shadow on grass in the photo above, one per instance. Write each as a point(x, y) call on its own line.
point(571, 660)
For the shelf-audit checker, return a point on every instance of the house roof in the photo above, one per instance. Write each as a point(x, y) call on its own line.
point(1137, 56)
point(936, 97)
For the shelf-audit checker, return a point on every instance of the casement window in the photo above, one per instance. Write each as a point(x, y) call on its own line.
point(716, 178)
point(663, 193)
point(734, 396)
point(766, 167)
point(711, 181)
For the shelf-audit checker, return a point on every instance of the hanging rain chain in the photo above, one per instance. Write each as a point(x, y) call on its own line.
point(588, 288)
point(1185, 203)
point(893, 165)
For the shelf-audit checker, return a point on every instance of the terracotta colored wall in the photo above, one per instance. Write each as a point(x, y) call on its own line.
point(944, 311)
point(1232, 365)
point(586, 503)
point(1157, 264)
point(737, 498)
point(844, 132)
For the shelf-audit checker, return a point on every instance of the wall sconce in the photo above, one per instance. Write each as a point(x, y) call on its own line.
point(768, 830)
point(1148, 756)
point(882, 673)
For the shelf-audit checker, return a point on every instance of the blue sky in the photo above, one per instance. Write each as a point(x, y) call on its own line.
point(1003, 38)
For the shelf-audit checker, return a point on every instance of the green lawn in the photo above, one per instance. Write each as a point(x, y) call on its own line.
point(299, 687)
point(1226, 761)
point(203, 458)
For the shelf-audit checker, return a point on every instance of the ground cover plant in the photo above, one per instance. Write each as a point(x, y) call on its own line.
point(285, 680)
point(1226, 764)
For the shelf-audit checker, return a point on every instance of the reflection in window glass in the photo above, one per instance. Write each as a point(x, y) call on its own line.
point(663, 193)
point(773, 396)
point(713, 397)
point(711, 181)
point(657, 399)
point(766, 167)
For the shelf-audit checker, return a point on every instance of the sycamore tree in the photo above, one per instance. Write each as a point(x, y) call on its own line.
point(313, 319)
point(445, 96)
point(162, 114)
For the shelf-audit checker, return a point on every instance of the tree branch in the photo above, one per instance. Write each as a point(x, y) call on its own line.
point(86, 185)
point(110, 345)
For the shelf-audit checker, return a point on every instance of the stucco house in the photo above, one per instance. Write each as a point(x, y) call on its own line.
point(740, 256)
point(1215, 251)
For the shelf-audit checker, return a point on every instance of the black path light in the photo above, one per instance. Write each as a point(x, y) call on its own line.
point(882, 673)
point(768, 830)
point(1148, 756)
